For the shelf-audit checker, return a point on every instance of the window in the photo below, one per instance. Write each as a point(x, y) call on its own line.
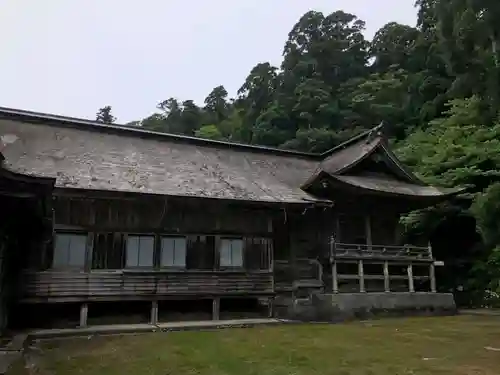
point(173, 252)
point(231, 252)
point(140, 250)
point(69, 250)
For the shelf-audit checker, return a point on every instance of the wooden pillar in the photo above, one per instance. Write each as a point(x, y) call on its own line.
point(335, 280)
point(368, 231)
point(411, 286)
point(387, 282)
point(361, 276)
point(216, 308)
point(432, 276)
point(154, 312)
point(336, 237)
point(84, 311)
point(270, 307)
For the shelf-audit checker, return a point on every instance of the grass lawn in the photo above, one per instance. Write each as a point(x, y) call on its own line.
point(459, 345)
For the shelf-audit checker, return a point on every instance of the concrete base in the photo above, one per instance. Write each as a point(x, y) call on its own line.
point(345, 306)
point(143, 328)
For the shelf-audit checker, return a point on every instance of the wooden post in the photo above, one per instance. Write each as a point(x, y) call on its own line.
point(361, 276)
point(84, 310)
point(387, 282)
point(337, 229)
point(335, 280)
point(429, 247)
point(270, 307)
point(216, 308)
point(368, 231)
point(411, 286)
point(432, 275)
point(154, 312)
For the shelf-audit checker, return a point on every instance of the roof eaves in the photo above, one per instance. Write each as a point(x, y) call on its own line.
point(369, 184)
point(30, 178)
point(70, 191)
point(30, 116)
point(393, 159)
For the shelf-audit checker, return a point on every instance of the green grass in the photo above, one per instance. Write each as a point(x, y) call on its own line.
point(438, 345)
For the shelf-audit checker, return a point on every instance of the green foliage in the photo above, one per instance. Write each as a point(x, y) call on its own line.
point(457, 149)
point(104, 115)
point(486, 209)
point(460, 149)
point(209, 132)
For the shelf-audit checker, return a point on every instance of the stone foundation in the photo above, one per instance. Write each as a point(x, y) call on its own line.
point(346, 306)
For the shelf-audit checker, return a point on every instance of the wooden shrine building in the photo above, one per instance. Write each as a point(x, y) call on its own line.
point(93, 213)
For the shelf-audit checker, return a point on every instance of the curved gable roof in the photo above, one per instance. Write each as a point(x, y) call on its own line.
point(341, 160)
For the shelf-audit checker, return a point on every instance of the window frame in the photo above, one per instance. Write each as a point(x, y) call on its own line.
point(231, 267)
point(137, 266)
point(88, 249)
point(160, 249)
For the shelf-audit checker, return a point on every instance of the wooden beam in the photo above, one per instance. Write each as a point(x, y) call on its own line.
point(361, 277)
point(387, 280)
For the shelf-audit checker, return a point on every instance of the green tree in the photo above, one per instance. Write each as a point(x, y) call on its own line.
point(256, 96)
point(191, 118)
point(393, 46)
point(216, 105)
point(380, 97)
point(104, 115)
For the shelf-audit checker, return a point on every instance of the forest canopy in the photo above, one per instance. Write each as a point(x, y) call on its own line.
point(435, 86)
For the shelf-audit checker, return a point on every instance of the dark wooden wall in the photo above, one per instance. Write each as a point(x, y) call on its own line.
point(108, 220)
point(291, 234)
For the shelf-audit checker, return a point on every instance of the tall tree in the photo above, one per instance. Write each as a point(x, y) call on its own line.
point(393, 46)
point(330, 47)
point(256, 96)
point(191, 117)
point(104, 115)
point(216, 104)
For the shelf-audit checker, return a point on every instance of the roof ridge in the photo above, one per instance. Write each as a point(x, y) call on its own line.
point(366, 133)
point(99, 126)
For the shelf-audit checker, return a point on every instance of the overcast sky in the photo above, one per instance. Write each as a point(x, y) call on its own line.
point(71, 57)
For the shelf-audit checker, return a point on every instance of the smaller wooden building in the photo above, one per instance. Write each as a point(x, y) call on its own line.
point(118, 214)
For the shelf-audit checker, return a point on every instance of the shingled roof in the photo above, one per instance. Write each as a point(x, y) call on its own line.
point(99, 157)
point(339, 164)
point(89, 155)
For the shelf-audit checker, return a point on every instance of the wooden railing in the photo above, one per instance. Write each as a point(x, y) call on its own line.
point(66, 286)
point(343, 250)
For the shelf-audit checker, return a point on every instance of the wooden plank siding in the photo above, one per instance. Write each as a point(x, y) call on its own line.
point(108, 222)
point(54, 286)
